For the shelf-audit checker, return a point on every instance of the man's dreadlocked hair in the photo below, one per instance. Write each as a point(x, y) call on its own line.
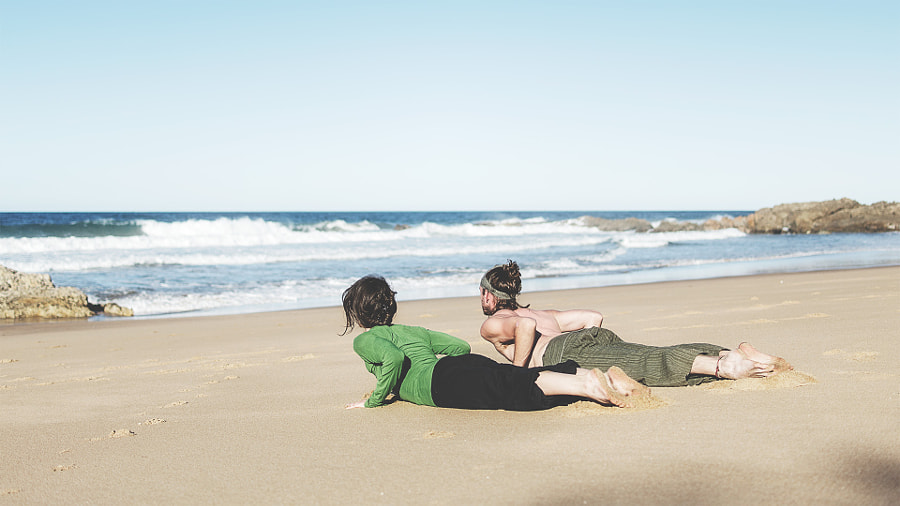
point(507, 279)
point(369, 302)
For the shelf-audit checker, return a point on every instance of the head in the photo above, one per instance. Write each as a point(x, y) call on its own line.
point(369, 302)
point(499, 288)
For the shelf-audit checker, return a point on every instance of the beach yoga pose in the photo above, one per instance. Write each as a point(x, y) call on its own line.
point(405, 363)
point(539, 338)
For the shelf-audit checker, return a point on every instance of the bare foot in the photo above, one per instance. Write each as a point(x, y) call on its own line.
point(599, 390)
point(752, 353)
point(735, 365)
point(624, 384)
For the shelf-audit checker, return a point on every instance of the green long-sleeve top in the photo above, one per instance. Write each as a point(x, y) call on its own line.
point(399, 355)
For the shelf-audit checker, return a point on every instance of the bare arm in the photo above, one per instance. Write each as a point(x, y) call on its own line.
point(512, 336)
point(526, 336)
point(577, 319)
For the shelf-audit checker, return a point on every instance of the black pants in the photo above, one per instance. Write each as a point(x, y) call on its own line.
point(477, 382)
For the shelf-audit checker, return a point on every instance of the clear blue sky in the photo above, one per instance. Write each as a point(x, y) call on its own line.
point(522, 105)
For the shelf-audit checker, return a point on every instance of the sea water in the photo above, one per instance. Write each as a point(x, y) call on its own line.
point(217, 263)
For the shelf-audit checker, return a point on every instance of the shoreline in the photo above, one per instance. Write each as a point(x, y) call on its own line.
point(239, 408)
point(224, 312)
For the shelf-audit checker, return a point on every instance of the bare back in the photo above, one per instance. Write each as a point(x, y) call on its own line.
point(500, 328)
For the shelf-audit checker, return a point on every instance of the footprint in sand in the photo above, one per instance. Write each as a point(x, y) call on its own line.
point(226, 378)
point(298, 358)
point(64, 468)
point(438, 434)
point(234, 365)
point(115, 434)
point(176, 403)
point(70, 380)
point(153, 421)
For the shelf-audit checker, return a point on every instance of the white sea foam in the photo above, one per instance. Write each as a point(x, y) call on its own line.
point(287, 294)
point(253, 241)
point(247, 232)
point(230, 232)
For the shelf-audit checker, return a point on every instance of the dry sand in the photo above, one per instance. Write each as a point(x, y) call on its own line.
point(250, 408)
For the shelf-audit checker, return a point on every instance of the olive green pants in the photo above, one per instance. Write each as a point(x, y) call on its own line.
point(655, 366)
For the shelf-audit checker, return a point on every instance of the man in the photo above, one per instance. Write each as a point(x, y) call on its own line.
point(535, 338)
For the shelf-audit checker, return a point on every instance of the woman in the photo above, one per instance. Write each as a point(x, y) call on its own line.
point(404, 361)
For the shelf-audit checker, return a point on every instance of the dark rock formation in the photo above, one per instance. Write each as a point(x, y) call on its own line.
point(35, 296)
point(739, 222)
point(677, 226)
point(844, 215)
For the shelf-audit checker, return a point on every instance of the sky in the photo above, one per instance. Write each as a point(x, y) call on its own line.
point(194, 105)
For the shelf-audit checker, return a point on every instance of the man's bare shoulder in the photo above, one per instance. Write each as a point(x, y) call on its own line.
point(499, 324)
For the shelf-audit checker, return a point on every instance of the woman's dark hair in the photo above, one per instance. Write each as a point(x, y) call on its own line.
point(369, 302)
point(507, 279)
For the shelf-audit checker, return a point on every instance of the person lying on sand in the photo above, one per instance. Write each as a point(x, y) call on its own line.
point(404, 361)
point(540, 338)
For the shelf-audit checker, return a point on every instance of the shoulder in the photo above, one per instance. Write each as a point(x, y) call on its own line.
point(406, 331)
point(369, 337)
point(500, 323)
point(379, 331)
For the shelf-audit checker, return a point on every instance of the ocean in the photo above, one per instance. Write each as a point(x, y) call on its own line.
point(172, 264)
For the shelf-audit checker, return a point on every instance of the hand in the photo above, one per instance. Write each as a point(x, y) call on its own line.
point(357, 404)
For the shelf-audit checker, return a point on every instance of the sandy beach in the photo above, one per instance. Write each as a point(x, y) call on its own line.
point(250, 408)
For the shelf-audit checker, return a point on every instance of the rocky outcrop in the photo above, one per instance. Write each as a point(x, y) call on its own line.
point(35, 296)
point(739, 222)
point(677, 226)
point(844, 215)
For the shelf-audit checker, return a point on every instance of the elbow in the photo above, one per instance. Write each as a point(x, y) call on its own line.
point(393, 361)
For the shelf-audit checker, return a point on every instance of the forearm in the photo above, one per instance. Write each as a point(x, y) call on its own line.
point(383, 387)
point(577, 319)
point(384, 361)
point(445, 344)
